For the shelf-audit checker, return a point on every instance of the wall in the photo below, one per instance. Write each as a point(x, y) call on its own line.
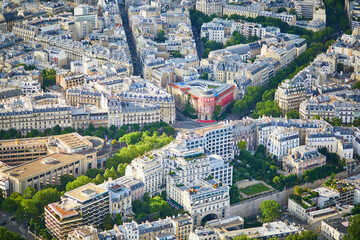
point(252, 206)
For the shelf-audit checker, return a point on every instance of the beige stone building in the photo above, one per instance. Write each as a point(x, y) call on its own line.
point(24, 115)
point(209, 7)
point(290, 94)
point(69, 79)
point(17, 151)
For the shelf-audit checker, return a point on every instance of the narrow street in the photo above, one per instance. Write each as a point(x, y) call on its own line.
point(199, 46)
point(130, 39)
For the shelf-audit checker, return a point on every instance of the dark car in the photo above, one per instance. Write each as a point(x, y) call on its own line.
point(2, 223)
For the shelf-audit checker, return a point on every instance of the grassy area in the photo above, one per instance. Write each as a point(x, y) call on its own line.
point(254, 189)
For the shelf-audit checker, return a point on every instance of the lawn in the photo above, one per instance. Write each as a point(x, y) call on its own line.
point(254, 189)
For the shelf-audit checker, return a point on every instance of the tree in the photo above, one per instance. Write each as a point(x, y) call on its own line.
point(135, 127)
point(177, 54)
point(65, 179)
point(93, 172)
point(169, 130)
point(242, 145)
point(49, 77)
point(91, 127)
point(121, 168)
point(29, 193)
point(204, 39)
point(348, 32)
point(278, 182)
point(282, 9)
point(161, 36)
point(46, 196)
point(217, 112)
point(57, 129)
point(270, 210)
point(354, 227)
point(110, 173)
point(292, 11)
point(234, 194)
point(99, 179)
point(80, 181)
point(7, 235)
point(293, 114)
point(131, 138)
point(337, 121)
point(205, 76)
point(9, 205)
point(243, 237)
point(108, 222)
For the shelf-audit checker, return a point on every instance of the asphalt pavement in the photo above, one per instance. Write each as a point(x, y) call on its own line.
point(14, 226)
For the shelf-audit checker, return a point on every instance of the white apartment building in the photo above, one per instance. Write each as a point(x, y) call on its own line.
point(251, 10)
point(175, 160)
point(334, 229)
point(289, 19)
point(120, 197)
point(202, 233)
point(281, 140)
point(213, 31)
point(301, 211)
point(203, 199)
point(216, 139)
point(319, 139)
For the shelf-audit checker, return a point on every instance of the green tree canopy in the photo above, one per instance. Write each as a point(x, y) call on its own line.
point(80, 181)
point(270, 210)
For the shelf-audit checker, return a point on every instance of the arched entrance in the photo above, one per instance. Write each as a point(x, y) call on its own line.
point(208, 217)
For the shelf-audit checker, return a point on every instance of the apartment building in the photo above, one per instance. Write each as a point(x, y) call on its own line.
point(24, 115)
point(202, 233)
point(266, 125)
point(213, 31)
point(320, 139)
point(18, 151)
point(150, 171)
point(152, 230)
point(84, 95)
point(244, 130)
point(209, 7)
point(330, 106)
point(183, 225)
point(119, 197)
point(277, 229)
point(251, 10)
point(203, 199)
point(303, 158)
point(86, 205)
point(334, 229)
point(216, 139)
point(281, 140)
point(136, 186)
point(290, 94)
point(289, 19)
point(300, 209)
point(69, 80)
point(127, 113)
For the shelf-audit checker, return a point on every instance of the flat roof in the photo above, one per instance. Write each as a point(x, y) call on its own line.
point(40, 165)
point(86, 192)
point(16, 142)
point(73, 140)
point(203, 130)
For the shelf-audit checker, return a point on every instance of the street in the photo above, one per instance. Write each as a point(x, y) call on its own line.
point(14, 226)
point(130, 40)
